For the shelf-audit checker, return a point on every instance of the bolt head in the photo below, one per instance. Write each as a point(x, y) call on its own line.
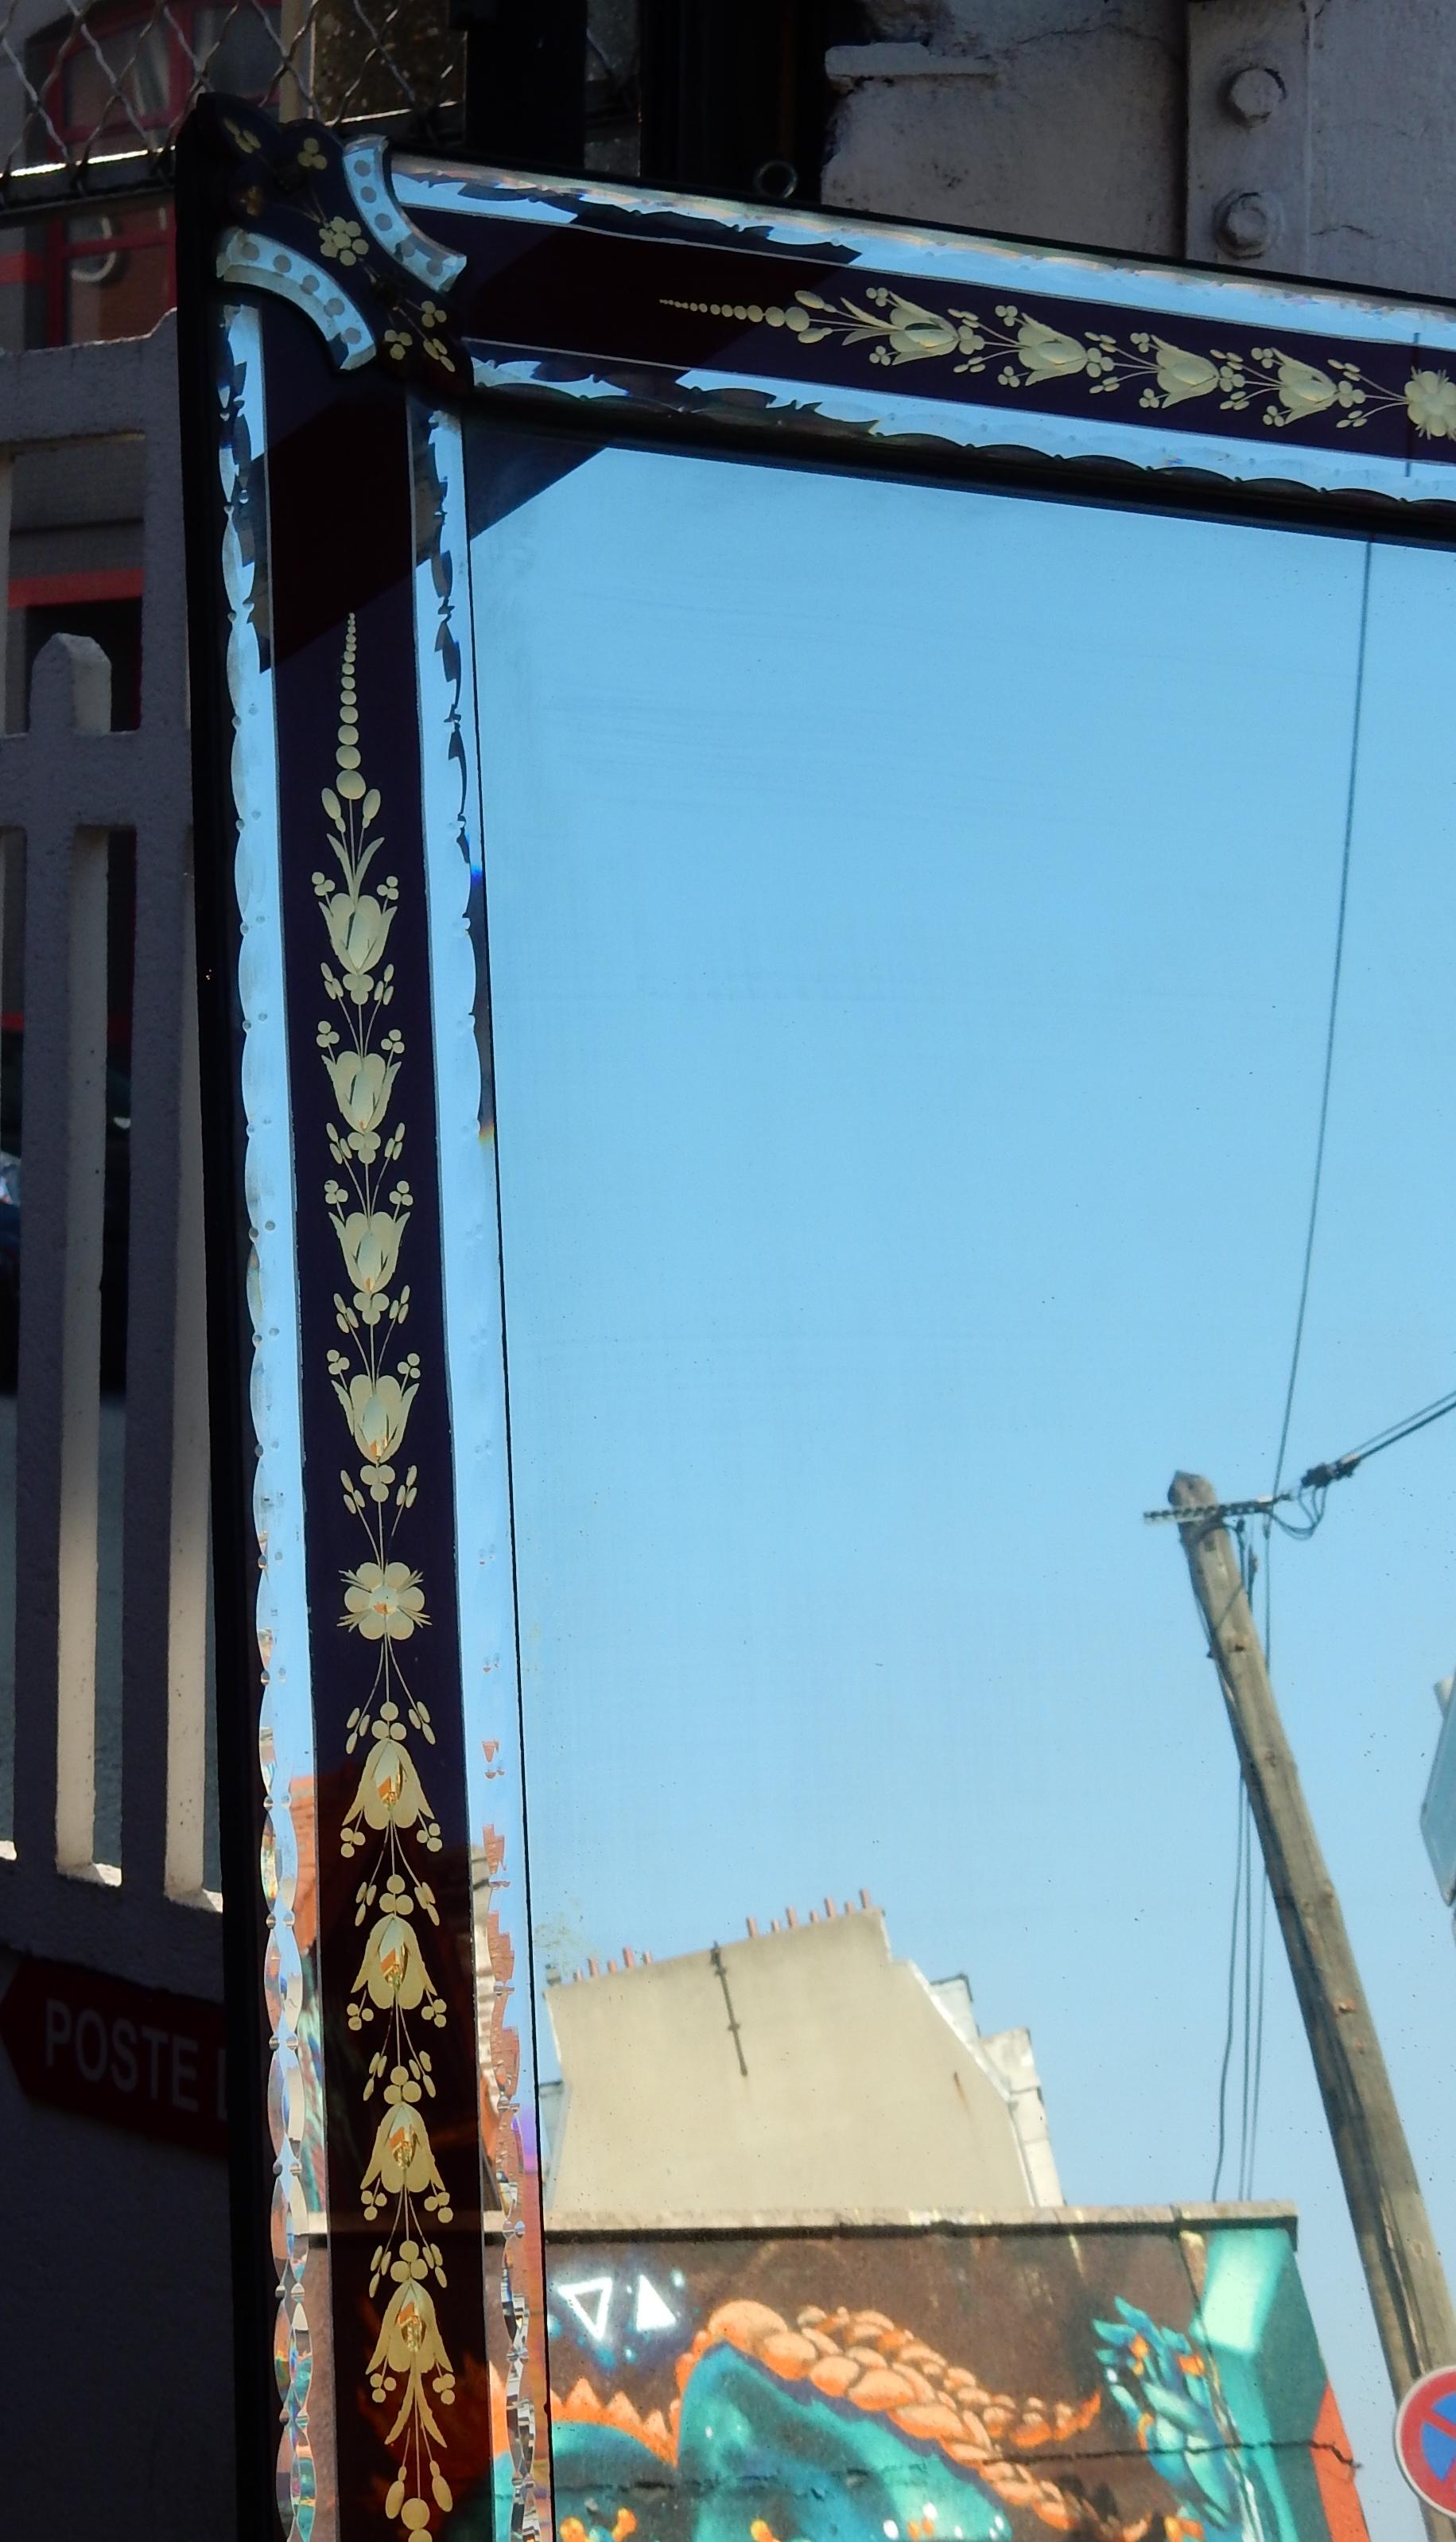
point(1247, 225)
point(1254, 94)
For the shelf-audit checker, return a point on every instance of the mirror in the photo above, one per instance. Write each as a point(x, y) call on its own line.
point(910, 915)
point(790, 972)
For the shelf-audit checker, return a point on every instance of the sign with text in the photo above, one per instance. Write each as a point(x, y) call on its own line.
point(129, 2056)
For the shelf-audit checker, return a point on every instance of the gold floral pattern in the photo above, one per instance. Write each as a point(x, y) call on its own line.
point(1282, 387)
point(374, 1383)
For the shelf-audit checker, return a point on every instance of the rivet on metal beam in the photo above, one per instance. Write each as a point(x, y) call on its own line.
point(1254, 94)
point(1246, 224)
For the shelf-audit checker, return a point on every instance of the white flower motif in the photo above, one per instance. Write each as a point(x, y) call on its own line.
point(1431, 404)
point(384, 1603)
point(342, 242)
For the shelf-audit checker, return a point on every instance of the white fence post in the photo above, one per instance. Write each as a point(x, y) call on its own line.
point(66, 783)
point(57, 1428)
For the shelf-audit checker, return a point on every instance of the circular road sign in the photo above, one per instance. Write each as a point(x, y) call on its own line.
point(1425, 2437)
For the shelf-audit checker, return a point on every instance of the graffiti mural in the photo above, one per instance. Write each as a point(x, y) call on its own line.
point(1125, 2381)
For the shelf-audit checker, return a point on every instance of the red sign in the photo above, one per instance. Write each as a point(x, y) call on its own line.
point(127, 2055)
point(1425, 2437)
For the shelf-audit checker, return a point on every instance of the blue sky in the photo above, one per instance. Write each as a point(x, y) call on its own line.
point(911, 917)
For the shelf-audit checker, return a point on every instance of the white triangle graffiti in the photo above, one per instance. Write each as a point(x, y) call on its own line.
point(653, 2314)
point(590, 2314)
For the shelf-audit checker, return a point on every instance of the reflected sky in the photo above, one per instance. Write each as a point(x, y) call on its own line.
point(910, 917)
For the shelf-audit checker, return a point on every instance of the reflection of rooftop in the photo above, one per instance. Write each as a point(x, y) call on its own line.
point(802, 2069)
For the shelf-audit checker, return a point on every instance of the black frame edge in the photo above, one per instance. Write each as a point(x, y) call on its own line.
point(238, 1677)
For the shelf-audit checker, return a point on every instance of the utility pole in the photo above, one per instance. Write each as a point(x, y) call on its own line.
point(1408, 2294)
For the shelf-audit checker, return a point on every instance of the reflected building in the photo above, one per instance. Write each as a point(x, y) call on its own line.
point(804, 2072)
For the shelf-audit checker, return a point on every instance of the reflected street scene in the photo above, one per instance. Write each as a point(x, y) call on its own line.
point(909, 912)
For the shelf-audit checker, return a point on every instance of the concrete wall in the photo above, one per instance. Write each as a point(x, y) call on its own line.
point(847, 2084)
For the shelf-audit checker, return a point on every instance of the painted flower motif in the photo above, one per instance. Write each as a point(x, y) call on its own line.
point(389, 1793)
point(1302, 390)
point(1431, 404)
point(384, 1603)
point(432, 316)
point(916, 335)
point(371, 1250)
point(342, 242)
point(359, 930)
point(1184, 375)
point(397, 343)
point(240, 137)
point(393, 1969)
point(409, 2341)
point(403, 2156)
point(1047, 355)
point(377, 1409)
point(362, 1083)
point(311, 155)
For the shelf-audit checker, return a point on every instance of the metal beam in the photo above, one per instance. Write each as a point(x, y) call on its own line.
point(734, 97)
point(1248, 133)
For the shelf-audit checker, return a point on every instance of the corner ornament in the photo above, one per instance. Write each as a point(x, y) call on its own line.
point(314, 221)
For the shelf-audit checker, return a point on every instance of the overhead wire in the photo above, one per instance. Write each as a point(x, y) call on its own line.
point(1233, 1964)
point(1331, 1019)
point(1309, 1500)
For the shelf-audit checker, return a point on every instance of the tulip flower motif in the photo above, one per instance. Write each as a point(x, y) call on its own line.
point(392, 1970)
point(362, 1082)
point(370, 1243)
point(409, 2345)
point(1301, 389)
point(916, 335)
point(377, 1409)
point(402, 2157)
point(389, 1793)
point(1184, 375)
point(1046, 355)
point(359, 930)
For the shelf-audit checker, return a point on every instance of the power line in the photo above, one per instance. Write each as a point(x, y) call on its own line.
point(1310, 1499)
point(1309, 1494)
point(1319, 1165)
point(1233, 1963)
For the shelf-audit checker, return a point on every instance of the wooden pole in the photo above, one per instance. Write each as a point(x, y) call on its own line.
point(1408, 2295)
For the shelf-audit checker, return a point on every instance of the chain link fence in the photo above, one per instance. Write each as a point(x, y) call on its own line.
point(92, 94)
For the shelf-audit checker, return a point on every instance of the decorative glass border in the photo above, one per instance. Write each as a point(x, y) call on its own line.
point(371, 302)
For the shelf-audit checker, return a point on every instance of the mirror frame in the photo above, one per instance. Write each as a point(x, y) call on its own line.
point(340, 307)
